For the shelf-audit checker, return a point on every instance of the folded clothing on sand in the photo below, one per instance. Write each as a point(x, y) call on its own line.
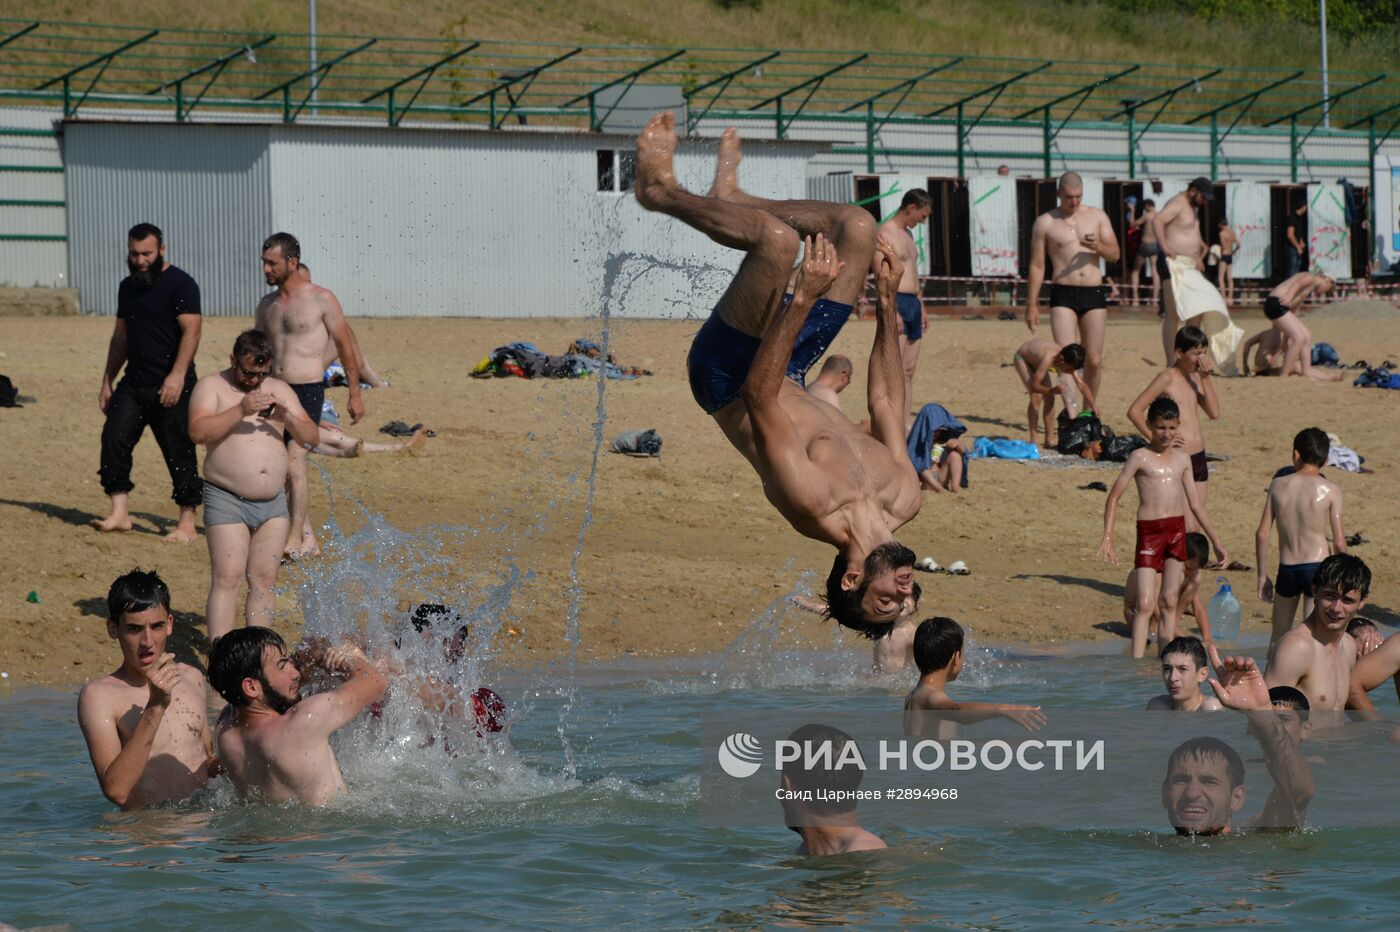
point(638, 443)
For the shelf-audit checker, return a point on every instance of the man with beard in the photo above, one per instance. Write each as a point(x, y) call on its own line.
point(830, 480)
point(155, 338)
point(300, 317)
point(242, 415)
point(270, 739)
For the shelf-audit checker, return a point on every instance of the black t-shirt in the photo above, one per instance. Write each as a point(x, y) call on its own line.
point(152, 331)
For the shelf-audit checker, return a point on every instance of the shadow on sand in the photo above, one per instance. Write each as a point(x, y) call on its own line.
point(79, 518)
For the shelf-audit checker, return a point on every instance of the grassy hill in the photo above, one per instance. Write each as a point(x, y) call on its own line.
point(1106, 30)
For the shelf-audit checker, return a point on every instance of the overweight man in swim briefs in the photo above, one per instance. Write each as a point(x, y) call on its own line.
point(832, 482)
point(1076, 238)
point(242, 415)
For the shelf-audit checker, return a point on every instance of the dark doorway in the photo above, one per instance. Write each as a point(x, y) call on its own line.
point(950, 248)
point(868, 195)
point(1284, 203)
point(1033, 198)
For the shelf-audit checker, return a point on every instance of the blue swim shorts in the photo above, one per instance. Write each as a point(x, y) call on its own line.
point(911, 311)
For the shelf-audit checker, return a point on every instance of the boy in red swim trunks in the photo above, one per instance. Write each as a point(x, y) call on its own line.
point(1166, 491)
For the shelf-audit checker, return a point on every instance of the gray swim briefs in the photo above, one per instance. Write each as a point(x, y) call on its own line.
point(224, 507)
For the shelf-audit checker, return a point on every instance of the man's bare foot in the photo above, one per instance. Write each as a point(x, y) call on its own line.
point(656, 149)
point(110, 524)
point(418, 437)
point(726, 183)
point(181, 535)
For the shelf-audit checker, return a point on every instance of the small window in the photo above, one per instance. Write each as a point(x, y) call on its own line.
point(617, 170)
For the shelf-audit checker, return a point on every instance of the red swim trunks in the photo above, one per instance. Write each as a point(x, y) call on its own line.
point(1159, 541)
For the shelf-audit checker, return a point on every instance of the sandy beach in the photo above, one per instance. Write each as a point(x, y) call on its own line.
point(683, 551)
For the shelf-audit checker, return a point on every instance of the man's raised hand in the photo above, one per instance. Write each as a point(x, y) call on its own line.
point(1238, 684)
point(163, 678)
point(820, 266)
point(888, 270)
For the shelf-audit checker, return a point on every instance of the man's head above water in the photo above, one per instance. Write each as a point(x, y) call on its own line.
point(869, 600)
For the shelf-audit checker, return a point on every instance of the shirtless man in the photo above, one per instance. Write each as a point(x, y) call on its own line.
point(145, 723)
point(241, 415)
point(331, 353)
point(270, 739)
point(1267, 346)
point(833, 379)
point(1077, 239)
point(1308, 508)
point(1279, 308)
point(831, 481)
point(300, 317)
point(1318, 656)
point(1187, 382)
point(1177, 229)
point(1146, 251)
point(1379, 665)
point(1229, 245)
point(813, 795)
point(914, 209)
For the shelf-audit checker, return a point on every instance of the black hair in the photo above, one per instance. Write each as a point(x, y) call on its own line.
point(1073, 355)
point(917, 197)
point(1205, 747)
point(844, 605)
point(253, 343)
point(237, 656)
point(1191, 337)
point(1198, 548)
point(1312, 445)
point(835, 780)
point(1357, 623)
point(1148, 202)
point(1163, 408)
point(145, 231)
point(136, 591)
point(1343, 573)
point(291, 249)
point(936, 640)
point(1292, 698)
point(1188, 645)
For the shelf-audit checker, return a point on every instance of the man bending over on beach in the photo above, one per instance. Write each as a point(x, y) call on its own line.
point(1166, 491)
point(831, 481)
point(1035, 360)
point(1318, 656)
point(270, 739)
point(145, 723)
point(1280, 308)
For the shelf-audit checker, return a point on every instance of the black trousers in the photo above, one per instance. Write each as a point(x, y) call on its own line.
point(131, 409)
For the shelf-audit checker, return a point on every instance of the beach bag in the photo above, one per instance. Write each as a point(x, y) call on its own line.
point(9, 395)
point(1324, 354)
point(1117, 449)
point(1077, 434)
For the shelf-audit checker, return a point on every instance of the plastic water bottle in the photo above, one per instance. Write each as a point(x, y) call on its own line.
point(1224, 610)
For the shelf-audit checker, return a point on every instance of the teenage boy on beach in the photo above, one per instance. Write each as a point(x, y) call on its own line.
point(938, 651)
point(1035, 360)
point(1184, 669)
point(145, 723)
point(1197, 556)
point(1318, 656)
point(1188, 383)
point(1307, 507)
point(827, 826)
point(1166, 492)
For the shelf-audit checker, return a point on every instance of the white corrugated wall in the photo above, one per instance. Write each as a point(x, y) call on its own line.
point(33, 251)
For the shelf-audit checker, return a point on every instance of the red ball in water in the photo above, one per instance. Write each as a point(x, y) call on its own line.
point(489, 710)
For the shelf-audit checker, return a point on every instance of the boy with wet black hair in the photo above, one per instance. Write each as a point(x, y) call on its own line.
point(1184, 669)
point(1188, 383)
point(827, 826)
point(1308, 509)
point(1318, 656)
point(1197, 556)
point(938, 651)
point(1366, 634)
point(1036, 359)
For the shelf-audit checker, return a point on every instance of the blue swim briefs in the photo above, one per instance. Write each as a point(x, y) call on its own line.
point(1295, 579)
point(911, 311)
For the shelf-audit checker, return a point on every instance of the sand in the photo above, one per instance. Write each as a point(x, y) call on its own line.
point(683, 552)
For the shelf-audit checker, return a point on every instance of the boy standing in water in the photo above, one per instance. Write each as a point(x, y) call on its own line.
point(1184, 669)
point(938, 651)
point(1166, 492)
point(1307, 507)
point(1188, 384)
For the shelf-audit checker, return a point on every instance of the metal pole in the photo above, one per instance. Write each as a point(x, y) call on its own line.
point(962, 142)
point(1326, 107)
point(1292, 149)
point(870, 137)
point(1045, 133)
point(1132, 156)
point(311, 15)
point(1214, 146)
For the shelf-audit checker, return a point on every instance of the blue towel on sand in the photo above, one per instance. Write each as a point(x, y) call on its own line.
point(1002, 448)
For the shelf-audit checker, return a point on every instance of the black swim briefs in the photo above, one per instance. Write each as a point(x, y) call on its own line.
point(1079, 298)
point(312, 396)
point(1274, 308)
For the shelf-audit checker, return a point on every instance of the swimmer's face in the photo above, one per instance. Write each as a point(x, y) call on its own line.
point(142, 636)
point(1336, 608)
point(1197, 794)
point(1181, 676)
point(888, 594)
point(277, 268)
point(1163, 431)
point(1293, 723)
point(281, 680)
point(1070, 198)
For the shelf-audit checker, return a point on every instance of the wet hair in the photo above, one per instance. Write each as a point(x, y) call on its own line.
point(253, 343)
point(917, 197)
point(428, 614)
point(1343, 572)
point(1203, 748)
point(1070, 180)
point(1358, 623)
point(838, 364)
point(1163, 408)
point(1188, 645)
point(1311, 445)
point(136, 591)
point(844, 605)
point(1291, 697)
point(1191, 337)
point(834, 780)
point(237, 656)
point(145, 231)
point(286, 242)
point(1197, 548)
point(1073, 355)
point(936, 640)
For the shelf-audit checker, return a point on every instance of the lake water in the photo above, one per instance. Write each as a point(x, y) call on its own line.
point(599, 828)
